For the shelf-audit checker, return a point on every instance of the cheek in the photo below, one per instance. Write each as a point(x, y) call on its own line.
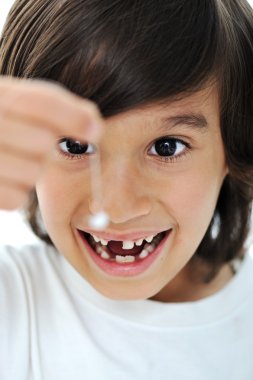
point(58, 196)
point(192, 199)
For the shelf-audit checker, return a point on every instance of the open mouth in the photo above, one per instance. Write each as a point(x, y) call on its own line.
point(124, 252)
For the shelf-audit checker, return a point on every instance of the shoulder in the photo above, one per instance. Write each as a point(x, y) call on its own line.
point(27, 276)
point(241, 286)
point(23, 292)
point(242, 269)
point(24, 264)
point(24, 255)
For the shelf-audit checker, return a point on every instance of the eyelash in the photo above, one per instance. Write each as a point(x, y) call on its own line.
point(71, 156)
point(164, 159)
point(172, 159)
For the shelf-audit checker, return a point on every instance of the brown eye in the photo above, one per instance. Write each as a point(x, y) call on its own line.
point(167, 147)
point(74, 147)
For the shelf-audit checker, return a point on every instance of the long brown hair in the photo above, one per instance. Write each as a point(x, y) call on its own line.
point(124, 55)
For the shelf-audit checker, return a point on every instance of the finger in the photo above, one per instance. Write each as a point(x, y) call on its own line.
point(19, 171)
point(51, 105)
point(22, 138)
point(12, 197)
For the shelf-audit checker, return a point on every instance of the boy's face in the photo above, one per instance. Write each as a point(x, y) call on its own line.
point(162, 170)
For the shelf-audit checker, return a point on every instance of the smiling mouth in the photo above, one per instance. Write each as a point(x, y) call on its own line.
point(124, 252)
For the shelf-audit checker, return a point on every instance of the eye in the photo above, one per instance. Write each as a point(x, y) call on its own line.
point(169, 148)
point(74, 148)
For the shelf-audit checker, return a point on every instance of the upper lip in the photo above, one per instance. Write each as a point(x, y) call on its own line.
point(117, 236)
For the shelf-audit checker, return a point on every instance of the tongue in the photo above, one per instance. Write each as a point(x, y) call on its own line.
point(116, 248)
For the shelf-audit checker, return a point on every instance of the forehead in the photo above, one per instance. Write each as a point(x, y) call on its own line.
point(196, 110)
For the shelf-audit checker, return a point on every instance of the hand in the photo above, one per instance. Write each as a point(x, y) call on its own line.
point(33, 114)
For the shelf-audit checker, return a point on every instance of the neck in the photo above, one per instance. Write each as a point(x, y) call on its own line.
point(185, 288)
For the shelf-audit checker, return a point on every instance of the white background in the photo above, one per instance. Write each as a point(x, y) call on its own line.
point(13, 229)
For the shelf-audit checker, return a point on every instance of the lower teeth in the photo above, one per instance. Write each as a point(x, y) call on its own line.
point(144, 253)
point(105, 255)
point(125, 259)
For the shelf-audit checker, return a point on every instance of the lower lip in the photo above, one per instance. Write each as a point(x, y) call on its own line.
point(126, 269)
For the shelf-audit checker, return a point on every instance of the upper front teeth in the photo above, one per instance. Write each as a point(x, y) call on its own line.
point(126, 244)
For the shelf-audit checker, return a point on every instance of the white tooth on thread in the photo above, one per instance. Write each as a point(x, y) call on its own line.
point(125, 259)
point(144, 253)
point(128, 244)
point(149, 238)
point(104, 242)
point(139, 242)
point(105, 255)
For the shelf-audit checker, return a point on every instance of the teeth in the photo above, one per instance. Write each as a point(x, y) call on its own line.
point(147, 250)
point(144, 253)
point(98, 240)
point(149, 238)
point(139, 242)
point(128, 244)
point(125, 259)
point(150, 248)
point(105, 255)
point(99, 249)
point(95, 238)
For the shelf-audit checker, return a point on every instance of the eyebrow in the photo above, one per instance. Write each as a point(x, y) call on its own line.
point(194, 121)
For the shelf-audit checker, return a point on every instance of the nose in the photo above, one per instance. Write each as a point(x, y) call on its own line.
point(124, 196)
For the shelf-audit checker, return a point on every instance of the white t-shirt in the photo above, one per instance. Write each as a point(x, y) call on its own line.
point(55, 326)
